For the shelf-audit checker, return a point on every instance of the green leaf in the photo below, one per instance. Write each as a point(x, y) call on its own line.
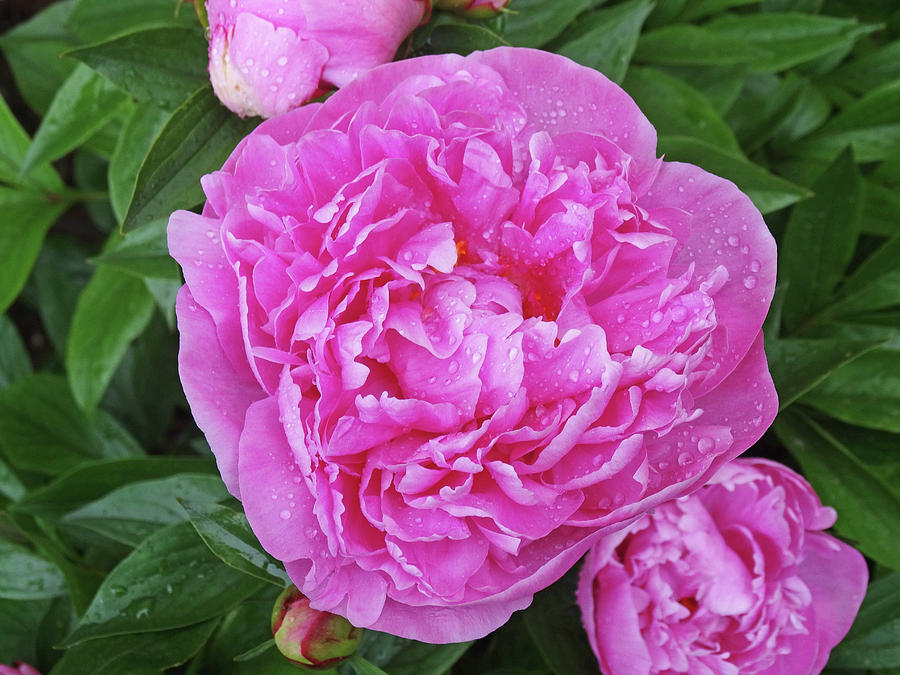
point(881, 211)
point(605, 39)
point(820, 239)
point(720, 85)
point(419, 658)
point(162, 66)
point(677, 109)
point(14, 360)
point(865, 392)
point(687, 45)
point(141, 129)
point(14, 144)
point(698, 9)
point(19, 624)
point(227, 534)
point(765, 103)
point(96, 20)
point(554, 622)
point(135, 654)
point(111, 312)
point(42, 430)
point(131, 513)
point(874, 639)
point(797, 366)
point(10, 486)
point(59, 276)
point(536, 22)
point(197, 139)
point(84, 103)
point(768, 191)
point(171, 580)
point(27, 576)
point(868, 511)
point(27, 216)
point(362, 667)
point(461, 38)
point(879, 67)
point(91, 480)
point(143, 253)
point(32, 50)
point(871, 125)
point(788, 39)
point(875, 284)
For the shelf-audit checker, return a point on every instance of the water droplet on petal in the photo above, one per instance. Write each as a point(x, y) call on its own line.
point(750, 282)
point(285, 514)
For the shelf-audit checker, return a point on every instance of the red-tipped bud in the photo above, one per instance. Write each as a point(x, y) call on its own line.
point(309, 637)
point(478, 9)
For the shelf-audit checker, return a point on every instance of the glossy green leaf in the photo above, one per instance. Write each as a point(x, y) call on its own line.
point(91, 480)
point(170, 581)
point(875, 284)
point(536, 22)
point(879, 67)
point(554, 622)
point(111, 312)
point(227, 534)
point(131, 513)
point(96, 20)
point(27, 216)
point(689, 45)
point(162, 66)
point(419, 658)
point(605, 39)
point(677, 109)
point(19, 623)
point(138, 134)
point(43, 430)
point(135, 654)
point(461, 38)
point(768, 191)
point(698, 9)
point(765, 104)
point(819, 241)
point(797, 366)
point(196, 140)
point(874, 639)
point(871, 125)
point(84, 103)
point(868, 511)
point(788, 39)
point(881, 211)
point(33, 50)
point(14, 143)
point(362, 667)
point(10, 486)
point(143, 253)
point(14, 360)
point(27, 576)
point(721, 85)
point(865, 391)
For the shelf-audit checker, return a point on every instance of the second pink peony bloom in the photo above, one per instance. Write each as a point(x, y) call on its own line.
point(450, 327)
point(736, 579)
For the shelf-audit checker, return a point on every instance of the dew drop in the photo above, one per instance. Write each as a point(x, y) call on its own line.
point(684, 459)
point(282, 61)
point(285, 514)
point(754, 265)
point(453, 367)
point(573, 375)
point(750, 282)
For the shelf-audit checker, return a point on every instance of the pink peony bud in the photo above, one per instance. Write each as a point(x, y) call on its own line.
point(18, 668)
point(736, 579)
point(267, 57)
point(479, 9)
point(314, 639)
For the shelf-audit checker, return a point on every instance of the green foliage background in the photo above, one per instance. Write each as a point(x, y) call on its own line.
point(118, 541)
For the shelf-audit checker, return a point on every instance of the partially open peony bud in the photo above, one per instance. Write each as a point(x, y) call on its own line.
point(267, 57)
point(18, 668)
point(314, 639)
point(479, 9)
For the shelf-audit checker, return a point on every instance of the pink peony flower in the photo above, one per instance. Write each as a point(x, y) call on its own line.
point(737, 578)
point(476, 8)
point(448, 328)
point(267, 57)
point(18, 668)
